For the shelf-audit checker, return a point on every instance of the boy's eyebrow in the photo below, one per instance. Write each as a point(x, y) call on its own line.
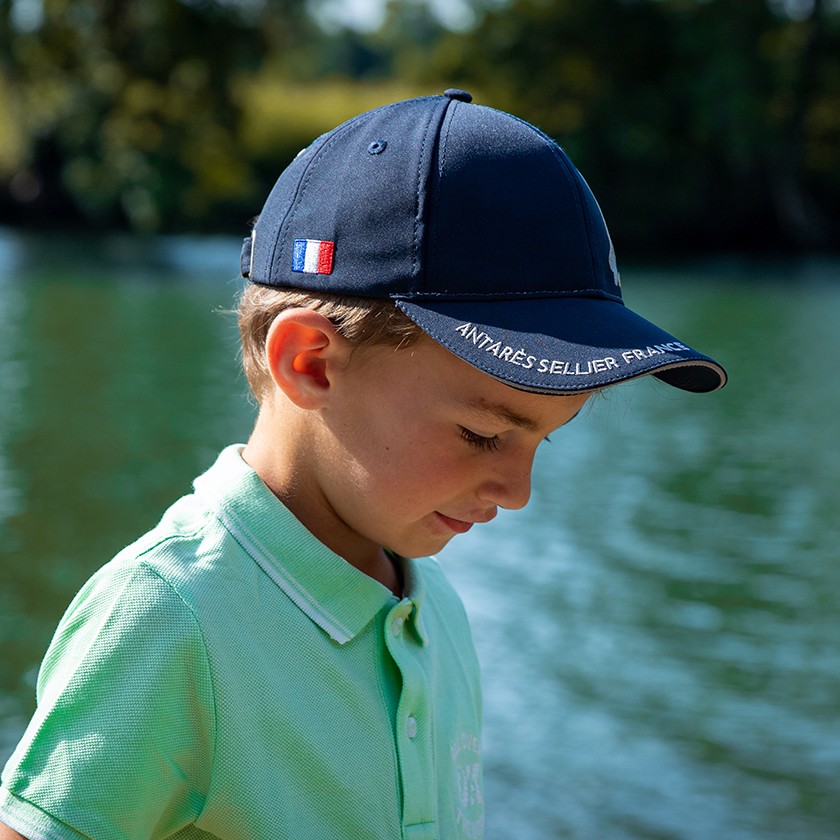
point(502, 412)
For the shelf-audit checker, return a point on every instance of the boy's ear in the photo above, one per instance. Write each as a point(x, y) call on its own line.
point(304, 352)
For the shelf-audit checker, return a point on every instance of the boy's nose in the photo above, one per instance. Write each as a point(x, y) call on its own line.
point(509, 488)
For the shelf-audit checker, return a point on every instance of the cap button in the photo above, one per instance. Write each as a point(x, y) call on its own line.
point(460, 95)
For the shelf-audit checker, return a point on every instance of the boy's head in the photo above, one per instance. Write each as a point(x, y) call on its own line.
point(466, 239)
point(481, 232)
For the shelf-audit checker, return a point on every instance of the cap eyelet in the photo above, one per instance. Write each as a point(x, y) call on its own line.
point(458, 94)
point(377, 147)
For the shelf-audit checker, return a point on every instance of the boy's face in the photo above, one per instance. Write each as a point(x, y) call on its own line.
point(417, 446)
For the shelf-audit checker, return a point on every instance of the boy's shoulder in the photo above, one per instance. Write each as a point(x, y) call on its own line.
point(193, 533)
point(175, 560)
point(230, 543)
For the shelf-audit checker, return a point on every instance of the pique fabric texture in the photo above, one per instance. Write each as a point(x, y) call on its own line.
point(228, 676)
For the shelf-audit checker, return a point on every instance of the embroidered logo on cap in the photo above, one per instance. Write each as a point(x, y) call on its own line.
point(313, 256)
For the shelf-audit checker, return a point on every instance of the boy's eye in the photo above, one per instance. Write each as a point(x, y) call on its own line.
point(487, 444)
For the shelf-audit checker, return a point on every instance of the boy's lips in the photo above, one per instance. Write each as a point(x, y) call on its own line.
point(461, 526)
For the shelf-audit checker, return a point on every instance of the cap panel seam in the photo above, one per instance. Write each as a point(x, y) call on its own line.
point(311, 168)
point(443, 145)
point(569, 171)
point(415, 240)
point(418, 211)
point(575, 184)
point(314, 163)
point(299, 189)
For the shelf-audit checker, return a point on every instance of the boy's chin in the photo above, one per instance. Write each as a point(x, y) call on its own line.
point(425, 548)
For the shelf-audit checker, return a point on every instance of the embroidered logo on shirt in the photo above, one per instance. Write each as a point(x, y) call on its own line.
point(465, 751)
point(313, 256)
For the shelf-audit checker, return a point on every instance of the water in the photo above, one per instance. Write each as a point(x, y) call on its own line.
point(658, 630)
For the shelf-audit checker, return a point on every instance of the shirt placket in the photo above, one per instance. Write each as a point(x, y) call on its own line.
point(413, 728)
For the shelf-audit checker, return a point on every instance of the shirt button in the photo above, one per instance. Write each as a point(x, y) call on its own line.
point(411, 726)
point(397, 625)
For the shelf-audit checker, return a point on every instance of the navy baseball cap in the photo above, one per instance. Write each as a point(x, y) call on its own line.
point(481, 230)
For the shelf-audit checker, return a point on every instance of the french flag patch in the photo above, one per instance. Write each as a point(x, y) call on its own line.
point(313, 256)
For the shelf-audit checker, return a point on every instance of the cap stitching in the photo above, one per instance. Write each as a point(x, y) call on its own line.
point(574, 182)
point(415, 239)
point(576, 187)
point(525, 386)
point(529, 386)
point(417, 245)
point(548, 293)
point(311, 168)
point(444, 143)
point(315, 161)
point(299, 192)
point(447, 120)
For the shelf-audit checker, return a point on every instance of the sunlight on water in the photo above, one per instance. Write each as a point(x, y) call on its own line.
point(661, 657)
point(657, 629)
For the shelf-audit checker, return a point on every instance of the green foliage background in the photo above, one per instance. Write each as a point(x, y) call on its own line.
point(700, 124)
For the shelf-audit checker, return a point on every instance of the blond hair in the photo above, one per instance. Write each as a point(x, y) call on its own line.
point(362, 321)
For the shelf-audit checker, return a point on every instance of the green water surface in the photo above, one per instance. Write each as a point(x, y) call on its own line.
point(658, 630)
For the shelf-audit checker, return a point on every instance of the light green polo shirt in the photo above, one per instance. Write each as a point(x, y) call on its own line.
point(228, 676)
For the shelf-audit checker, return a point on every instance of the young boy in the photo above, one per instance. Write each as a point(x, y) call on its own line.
point(432, 292)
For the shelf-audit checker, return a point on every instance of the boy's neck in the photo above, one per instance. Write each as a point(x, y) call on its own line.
point(278, 461)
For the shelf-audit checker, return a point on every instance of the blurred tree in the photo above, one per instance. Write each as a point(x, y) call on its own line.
point(803, 95)
point(701, 124)
point(125, 109)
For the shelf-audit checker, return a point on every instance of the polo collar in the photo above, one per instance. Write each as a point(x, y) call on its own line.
point(337, 596)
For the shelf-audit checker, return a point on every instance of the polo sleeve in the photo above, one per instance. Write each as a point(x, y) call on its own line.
point(121, 744)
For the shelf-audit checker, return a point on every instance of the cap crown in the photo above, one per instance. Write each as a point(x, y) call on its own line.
point(437, 198)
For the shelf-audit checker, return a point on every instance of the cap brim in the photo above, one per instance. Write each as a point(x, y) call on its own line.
point(562, 345)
